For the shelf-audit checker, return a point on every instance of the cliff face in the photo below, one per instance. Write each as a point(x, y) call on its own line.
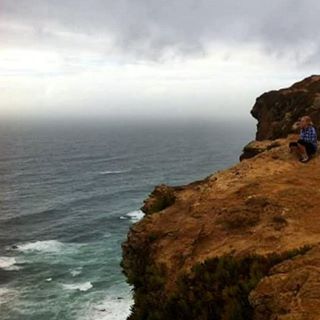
point(277, 110)
point(240, 244)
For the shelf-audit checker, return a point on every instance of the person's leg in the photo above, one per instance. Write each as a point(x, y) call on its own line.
point(294, 148)
point(302, 149)
point(310, 149)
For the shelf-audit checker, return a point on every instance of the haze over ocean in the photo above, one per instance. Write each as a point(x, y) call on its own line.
point(69, 193)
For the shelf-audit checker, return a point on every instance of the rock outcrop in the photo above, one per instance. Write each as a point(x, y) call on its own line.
point(243, 243)
point(277, 110)
point(161, 197)
point(255, 147)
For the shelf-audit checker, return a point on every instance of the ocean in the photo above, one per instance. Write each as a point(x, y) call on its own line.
point(68, 195)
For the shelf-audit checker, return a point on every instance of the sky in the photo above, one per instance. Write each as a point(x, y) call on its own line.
point(151, 59)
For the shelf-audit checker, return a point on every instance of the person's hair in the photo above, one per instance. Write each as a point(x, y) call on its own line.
point(308, 120)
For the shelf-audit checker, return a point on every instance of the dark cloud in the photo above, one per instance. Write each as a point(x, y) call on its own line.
point(151, 28)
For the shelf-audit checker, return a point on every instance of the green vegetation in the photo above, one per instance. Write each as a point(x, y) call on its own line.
point(217, 288)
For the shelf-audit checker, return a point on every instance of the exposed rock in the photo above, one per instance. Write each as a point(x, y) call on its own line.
point(255, 147)
point(277, 110)
point(291, 291)
point(161, 197)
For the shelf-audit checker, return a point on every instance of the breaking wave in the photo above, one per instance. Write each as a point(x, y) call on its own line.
point(85, 286)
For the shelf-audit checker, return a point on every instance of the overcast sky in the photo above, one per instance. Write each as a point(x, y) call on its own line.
point(151, 58)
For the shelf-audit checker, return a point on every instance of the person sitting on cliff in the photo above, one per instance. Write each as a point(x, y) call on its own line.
point(306, 146)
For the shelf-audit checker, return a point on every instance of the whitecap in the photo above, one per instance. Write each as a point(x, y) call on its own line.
point(135, 215)
point(85, 286)
point(43, 246)
point(112, 308)
point(75, 272)
point(8, 263)
point(113, 171)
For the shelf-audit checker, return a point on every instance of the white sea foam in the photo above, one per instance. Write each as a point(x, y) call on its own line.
point(111, 308)
point(43, 246)
point(135, 215)
point(8, 263)
point(114, 171)
point(84, 286)
point(75, 272)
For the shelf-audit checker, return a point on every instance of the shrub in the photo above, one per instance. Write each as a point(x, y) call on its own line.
point(239, 218)
point(216, 289)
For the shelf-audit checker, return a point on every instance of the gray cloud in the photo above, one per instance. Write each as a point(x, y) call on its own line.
point(151, 28)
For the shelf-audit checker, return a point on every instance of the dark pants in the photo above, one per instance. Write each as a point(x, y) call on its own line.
point(310, 149)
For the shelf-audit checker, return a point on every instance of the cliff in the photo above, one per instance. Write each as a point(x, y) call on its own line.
point(240, 244)
point(278, 110)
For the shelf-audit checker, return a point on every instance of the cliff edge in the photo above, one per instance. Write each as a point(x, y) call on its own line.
point(240, 244)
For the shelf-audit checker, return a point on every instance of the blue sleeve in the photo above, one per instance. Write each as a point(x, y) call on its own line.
point(309, 135)
point(314, 134)
point(303, 134)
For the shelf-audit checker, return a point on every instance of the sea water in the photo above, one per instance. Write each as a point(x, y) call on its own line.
point(69, 193)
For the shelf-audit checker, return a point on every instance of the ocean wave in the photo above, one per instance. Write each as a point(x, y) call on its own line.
point(114, 171)
point(135, 215)
point(107, 235)
point(92, 158)
point(7, 295)
point(8, 263)
point(75, 272)
point(85, 286)
point(32, 218)
point(42, 246)
point(112, 308)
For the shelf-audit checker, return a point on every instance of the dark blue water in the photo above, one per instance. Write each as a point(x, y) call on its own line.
point(69, 193)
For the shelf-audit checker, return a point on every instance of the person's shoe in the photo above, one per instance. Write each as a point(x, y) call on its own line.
point(304, 159)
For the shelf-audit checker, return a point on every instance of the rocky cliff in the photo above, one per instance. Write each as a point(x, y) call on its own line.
point(240, 244)
point(278, 110)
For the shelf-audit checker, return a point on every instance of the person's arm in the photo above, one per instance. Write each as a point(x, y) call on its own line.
point(309, 135)
point(314, 135)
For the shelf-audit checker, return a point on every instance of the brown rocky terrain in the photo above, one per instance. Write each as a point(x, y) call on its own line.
point(263, 206)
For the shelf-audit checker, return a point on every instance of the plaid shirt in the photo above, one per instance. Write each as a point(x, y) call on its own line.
point(309, 134)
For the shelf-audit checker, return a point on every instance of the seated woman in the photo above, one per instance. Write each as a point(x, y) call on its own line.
point(306, 146)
